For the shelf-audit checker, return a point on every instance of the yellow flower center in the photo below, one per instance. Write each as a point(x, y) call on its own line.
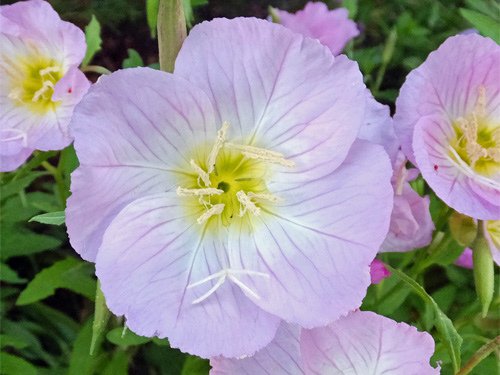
point(477, 140)
point(229, 184)
point(33, 84)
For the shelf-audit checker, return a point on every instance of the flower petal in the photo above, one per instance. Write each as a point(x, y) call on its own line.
point(151, 252)
point(366, 343)
point(317, 254)
point(446, 85)
point(277, 89)
point(457, 188)
point(10, 162)
point(131, 145)
point(281, 356)
point(38, 21)
point(333, 28)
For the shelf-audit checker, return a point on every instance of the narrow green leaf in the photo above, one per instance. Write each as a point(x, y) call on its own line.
point(444, 325)
point(152, 16)
point(93, 39)
point(12, 341)
point(8, 275)
point(133, 60)
point(483, 23)
point(81, 362)
point(69, 273)
point(195, 366)
point(101, 317)
point(52, 218)
point(15, 186)
point(352, 7)
point(118, 365)
point(125, 339)
point(12, 365)
point(16, 240)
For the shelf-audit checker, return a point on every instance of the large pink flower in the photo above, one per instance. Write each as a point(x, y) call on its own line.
point(448, 121)
point(232, 194)
point(333, 28)
point(359, 344)
point(40, 82)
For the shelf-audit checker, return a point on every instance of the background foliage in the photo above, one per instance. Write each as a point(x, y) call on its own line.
point(48, 294)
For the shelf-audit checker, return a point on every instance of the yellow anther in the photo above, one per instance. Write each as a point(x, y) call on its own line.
point(263, 196)
point(48, 70)
point(183, 192)
point(202, 175)
point(246, 204)
point(258, 153)
point(216, 209)
point(46, 86)
point(219, 143)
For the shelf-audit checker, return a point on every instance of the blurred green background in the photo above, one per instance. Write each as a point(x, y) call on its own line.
point(48, 292)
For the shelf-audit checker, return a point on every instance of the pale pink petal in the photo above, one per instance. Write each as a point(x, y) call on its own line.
point(317, 245)
point(492, 234)
point(278, 90)
point(150, 255)
point(333, 28)
point(449, 180)
point(280, 357)
point(131, 145)
point(366, 343)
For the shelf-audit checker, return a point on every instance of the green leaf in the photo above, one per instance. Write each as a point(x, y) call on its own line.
point(133, 60)
point(93, 39)
point(485, 24)
point(8, 275)
point(352, 7)
point(118, 364)
point(195, 366)
point(15, 186)
point(124, 339)
point(444, 325)
point(152, 16)
point(12, 341)
point(101, 317)
point(16, 240)
point(12, 365)
point(51, 218)
point(69, 273)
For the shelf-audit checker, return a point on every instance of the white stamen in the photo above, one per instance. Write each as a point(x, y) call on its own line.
point(469, 172)
point(216, 209)
point(243, 286)
point(219, 143)
point(201, 173)
point(222, 275)
point(183, 192)
point(16, 94)
point(258, 153)
point(266, 197)
point(211, 291)
point(401, 179)
point(246, 204)
point(45, 87)
point(49, 70)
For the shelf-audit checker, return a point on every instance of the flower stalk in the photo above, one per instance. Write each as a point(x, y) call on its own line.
point(171, 32)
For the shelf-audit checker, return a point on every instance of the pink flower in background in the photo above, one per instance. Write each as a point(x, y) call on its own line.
point(465, 259)
point(378, 271)
point(333, 28)
point(233, 194)
point(40, 82)
point(448, 121)
point(360, 343)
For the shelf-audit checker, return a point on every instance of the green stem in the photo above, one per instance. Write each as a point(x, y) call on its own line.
point(171, 32)
point(481, 354)
point(61, 186)
point(95, 69)
point(390, 44)
point(484, 269)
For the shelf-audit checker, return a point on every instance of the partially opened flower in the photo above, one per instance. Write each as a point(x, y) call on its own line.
point(232, 194)
point(411, 222)
point(358, 344)
point(378, 271)
point(333, 28)
point(40, 82)
point(465, 259)
point(448, 121)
